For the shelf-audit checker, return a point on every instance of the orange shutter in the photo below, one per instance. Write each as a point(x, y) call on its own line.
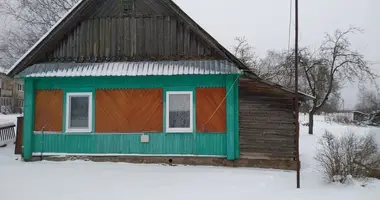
point(211, 110)
point(48, 110)
point(129, 111)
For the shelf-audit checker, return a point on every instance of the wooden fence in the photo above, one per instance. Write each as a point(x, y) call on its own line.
point(7, 134)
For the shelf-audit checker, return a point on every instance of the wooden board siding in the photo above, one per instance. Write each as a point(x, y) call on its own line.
point(129, 111)
point(130, 38)
point(266, 123)
point(48, 110)
point(211, 110)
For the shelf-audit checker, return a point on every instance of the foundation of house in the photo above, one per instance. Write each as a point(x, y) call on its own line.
point(208, 161)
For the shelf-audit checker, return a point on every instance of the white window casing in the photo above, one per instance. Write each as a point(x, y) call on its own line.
point(183, 106)
point(78, 129)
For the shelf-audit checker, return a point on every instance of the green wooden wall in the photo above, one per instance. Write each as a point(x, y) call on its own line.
point(216, 144)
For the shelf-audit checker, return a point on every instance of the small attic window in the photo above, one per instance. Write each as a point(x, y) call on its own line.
point(128, 7)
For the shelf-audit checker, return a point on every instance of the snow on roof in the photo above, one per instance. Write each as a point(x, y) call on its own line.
point(144, 68)
point(45, 36)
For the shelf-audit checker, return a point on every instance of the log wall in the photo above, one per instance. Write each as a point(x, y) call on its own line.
point(266, 123)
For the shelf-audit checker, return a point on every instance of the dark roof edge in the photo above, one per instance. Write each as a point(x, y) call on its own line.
point(303, 96)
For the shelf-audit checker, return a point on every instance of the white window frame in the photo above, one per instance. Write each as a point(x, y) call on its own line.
point(179, 130)
point(68, 110)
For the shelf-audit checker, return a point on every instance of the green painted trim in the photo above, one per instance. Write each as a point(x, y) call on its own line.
point(160, 143)
point(236, 118)
point(231, 102)
point(198, 143)
point(230, 118)
point(131, 82)
point(72, 90)
point(29, 107)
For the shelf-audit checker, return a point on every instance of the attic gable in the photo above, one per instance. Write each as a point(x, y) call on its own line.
point(98, 31)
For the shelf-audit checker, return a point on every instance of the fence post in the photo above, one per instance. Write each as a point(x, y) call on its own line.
point(20, 125)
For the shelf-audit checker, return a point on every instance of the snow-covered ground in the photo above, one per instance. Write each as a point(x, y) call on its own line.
point(86, 180)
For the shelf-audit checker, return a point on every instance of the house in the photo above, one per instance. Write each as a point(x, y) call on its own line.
point(11, 94)
point(359, 116)
point(140, 80)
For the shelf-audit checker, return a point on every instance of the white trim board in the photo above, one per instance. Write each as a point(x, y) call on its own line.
point(125, 155)
point(68, 109)
point(179, 130)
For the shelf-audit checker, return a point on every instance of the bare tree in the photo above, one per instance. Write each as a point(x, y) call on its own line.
point(368, 100)
point(30, 19)
point(276, 66)
point(245, 53)
point(334, 63)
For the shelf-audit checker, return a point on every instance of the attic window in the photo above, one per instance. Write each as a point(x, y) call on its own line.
point(128, 7)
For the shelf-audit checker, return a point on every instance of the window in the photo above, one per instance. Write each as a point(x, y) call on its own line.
point(20, 87)
point(79, 112)
point(179, 112)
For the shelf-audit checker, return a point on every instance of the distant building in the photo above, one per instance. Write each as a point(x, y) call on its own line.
point(11, 94)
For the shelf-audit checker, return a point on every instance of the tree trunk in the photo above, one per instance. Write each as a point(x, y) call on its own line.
point(311, 122)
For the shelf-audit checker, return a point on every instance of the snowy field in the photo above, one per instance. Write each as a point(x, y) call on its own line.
point(81, 180)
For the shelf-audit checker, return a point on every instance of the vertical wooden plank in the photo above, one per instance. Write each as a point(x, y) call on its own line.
point(108, 38)
point(147, 38)
point(19, 133)
point(173, 37)
point(64, 49)
point(77, 42)
point(140, 37)
point(113, 39)
point(83, 40)
point(180, 38)
point(55, 52)
point(154, 46)
point(69, 50)
point(186, 41)
point(133, 37)
point(95, 46)
point(89, 38)
point(160, 36)
point(120, 39)
point(127, 37)
point(193, 45)
point(101, 38)
point(167, 42)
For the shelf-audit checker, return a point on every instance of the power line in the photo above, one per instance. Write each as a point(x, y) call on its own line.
point(290, 24)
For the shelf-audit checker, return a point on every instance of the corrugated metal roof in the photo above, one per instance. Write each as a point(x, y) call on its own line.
point(146, 68)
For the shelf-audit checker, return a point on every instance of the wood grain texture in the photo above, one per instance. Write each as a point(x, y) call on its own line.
point(131, 39)
point(266, 122)
point(211, 110)
point(129, 111)
point(48, 110)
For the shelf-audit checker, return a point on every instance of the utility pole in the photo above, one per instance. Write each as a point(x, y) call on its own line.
point(296, 99)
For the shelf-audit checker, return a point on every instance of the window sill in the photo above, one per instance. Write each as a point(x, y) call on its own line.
point(178, 131)
point(73, 131)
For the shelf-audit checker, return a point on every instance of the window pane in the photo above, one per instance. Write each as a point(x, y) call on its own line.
point(79, 112)
point(179, 110)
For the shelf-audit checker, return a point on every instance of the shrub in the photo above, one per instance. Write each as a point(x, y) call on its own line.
point(338, 118)
point(348, 156)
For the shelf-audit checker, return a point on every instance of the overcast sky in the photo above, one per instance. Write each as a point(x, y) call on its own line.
point(265, 23)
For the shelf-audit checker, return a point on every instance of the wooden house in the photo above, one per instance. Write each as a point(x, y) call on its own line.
point(140, 80)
